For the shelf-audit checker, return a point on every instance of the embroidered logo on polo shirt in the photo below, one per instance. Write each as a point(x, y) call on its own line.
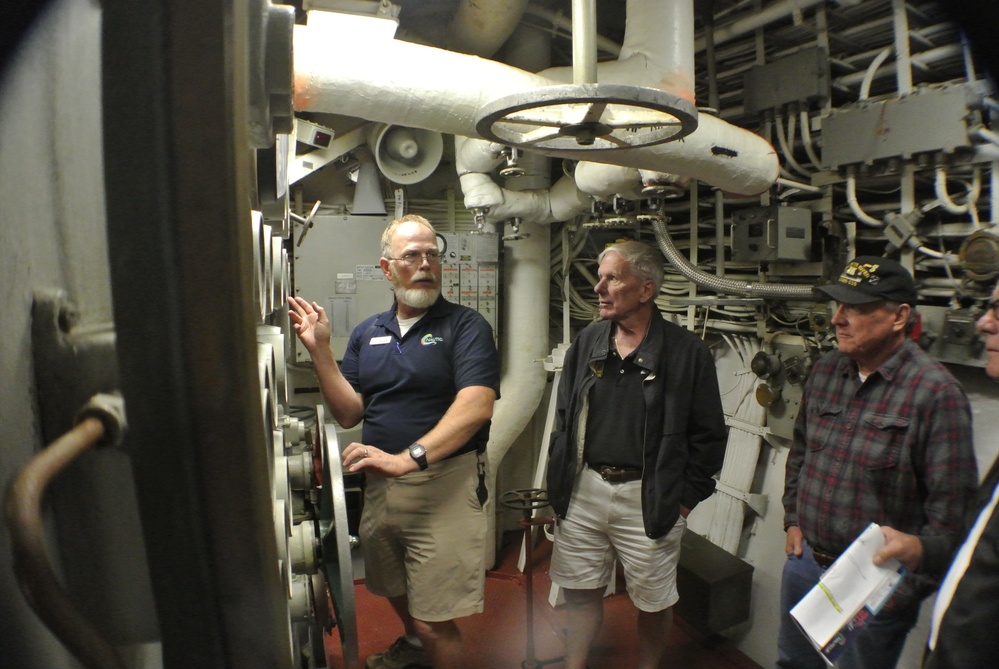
point(430, 340)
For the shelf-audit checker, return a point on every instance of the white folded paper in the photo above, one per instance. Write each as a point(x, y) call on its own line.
point(850, 592)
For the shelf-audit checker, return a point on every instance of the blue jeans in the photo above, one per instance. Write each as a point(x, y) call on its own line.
point(877, 647)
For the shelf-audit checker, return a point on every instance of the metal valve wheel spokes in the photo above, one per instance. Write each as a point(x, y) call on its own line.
point(589, 117)
point(525, 499)
point(306, 222)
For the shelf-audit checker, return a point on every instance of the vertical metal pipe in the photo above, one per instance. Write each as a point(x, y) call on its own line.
point(719, 232)
point(694, 240)
point(707, 16)
point(584, 41)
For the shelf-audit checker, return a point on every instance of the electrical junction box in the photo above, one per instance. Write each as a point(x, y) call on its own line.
point(337, 266)
point(764, 234)
point(933, 119)
point(801, 78)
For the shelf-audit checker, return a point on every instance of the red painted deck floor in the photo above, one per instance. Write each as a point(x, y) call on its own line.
point(497, 639)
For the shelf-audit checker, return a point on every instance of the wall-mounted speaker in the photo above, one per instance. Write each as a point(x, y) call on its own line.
point(405, 155)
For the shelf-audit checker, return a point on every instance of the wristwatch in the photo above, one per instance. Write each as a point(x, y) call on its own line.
point(418, 452)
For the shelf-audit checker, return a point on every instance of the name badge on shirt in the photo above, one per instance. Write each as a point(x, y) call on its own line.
point(385, 339)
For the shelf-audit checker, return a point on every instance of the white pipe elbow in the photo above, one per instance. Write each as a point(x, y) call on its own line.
point(481, 192)
point(604, 181)
point(567, 201)
point(476, 155)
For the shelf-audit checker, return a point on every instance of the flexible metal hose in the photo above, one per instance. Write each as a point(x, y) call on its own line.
point(719, 285)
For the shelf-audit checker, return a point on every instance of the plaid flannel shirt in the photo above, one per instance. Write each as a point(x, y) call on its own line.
point(895, 450)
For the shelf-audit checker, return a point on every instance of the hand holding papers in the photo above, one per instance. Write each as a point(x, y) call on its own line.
point(851, 591)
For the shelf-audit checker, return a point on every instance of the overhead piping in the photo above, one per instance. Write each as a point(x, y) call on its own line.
point(756, 20)
point(423, 87)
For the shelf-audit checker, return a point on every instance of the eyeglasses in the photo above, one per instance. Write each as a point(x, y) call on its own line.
point(415, 258)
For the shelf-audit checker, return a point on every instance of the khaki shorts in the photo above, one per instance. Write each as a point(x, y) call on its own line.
point(423, 536)
point(604, 523)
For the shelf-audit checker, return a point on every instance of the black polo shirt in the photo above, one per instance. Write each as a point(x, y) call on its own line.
point(615, 416)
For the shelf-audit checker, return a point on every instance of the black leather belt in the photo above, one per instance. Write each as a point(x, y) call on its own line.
point(617, 474)
point(822, 558)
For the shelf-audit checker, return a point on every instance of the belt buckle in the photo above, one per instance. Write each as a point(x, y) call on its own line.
point(823, 558)
point(614, 474)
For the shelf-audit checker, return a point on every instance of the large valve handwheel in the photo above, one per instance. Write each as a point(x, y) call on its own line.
point(525, 499)
point(335, 539)
point(588, 117)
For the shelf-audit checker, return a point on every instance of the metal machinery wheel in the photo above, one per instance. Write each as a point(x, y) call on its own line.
point(335, 539)
point(525, 499)
point(592, 117)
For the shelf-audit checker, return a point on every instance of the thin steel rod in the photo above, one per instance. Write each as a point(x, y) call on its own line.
point(584, 41)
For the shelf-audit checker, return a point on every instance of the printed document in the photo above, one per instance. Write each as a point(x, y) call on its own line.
point(851, 591)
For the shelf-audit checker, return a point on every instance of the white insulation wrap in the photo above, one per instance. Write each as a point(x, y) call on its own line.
point(658, 49)
point(418, 86)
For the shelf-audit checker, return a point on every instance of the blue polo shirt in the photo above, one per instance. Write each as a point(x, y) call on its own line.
point(409, 382)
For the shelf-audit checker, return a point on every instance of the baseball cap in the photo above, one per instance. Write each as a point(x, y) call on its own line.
point(867, 279)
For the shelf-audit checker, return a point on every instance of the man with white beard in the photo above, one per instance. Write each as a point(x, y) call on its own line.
point(423, 376)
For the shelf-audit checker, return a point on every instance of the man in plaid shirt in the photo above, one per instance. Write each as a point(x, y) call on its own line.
point(883, 436)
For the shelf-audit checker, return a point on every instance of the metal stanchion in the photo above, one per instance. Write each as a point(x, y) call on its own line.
point(527, 500)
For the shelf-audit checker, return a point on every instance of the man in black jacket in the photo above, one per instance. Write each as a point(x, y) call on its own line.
point(639, 434)
point(963, 625)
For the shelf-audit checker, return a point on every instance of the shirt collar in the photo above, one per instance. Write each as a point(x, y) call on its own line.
point(887, 369)
point(648, 352)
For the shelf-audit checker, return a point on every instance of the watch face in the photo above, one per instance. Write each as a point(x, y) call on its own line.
point(419, 453)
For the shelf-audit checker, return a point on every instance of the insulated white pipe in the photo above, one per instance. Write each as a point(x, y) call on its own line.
point(658, 49)
point(476, 156)
point(474, 159)
point(478, 27)
point(561, 203)
point(605, 181)
point(527, 262)
point(423, 87)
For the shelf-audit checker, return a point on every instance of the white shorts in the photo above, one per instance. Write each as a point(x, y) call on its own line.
point(604, 522)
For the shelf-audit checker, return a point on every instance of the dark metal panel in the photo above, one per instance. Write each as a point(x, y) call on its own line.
point(177, 180)
point(928, 121)
point(801, 78)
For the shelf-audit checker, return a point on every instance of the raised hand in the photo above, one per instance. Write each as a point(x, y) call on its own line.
point(309, 322)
